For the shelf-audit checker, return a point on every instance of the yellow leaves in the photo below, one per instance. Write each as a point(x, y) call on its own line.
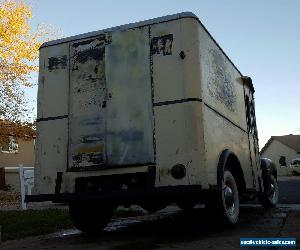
point(18, 45)
point(16, 42)
point(18, 53)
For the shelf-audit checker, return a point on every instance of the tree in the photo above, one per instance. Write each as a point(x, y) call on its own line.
point(18, 54)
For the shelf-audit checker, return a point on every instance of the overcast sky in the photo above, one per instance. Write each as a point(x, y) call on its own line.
point(262, 38)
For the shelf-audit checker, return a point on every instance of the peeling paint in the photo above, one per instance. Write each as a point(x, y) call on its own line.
point(162, 45)
point(220, 82)
point(88, 96)
point(82, 160)
point(55, 63)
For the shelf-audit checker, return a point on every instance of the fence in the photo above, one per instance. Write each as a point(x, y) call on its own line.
point(20, 179)
point(26, 183)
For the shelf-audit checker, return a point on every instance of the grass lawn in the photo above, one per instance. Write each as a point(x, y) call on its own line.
point(19, 224)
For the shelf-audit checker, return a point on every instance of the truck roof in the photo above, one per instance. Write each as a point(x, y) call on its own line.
point(122, 27)
point(141, 24)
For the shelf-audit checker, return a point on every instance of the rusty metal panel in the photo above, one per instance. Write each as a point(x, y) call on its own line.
point(129, 135)
point(87, 103)
point(110, 116)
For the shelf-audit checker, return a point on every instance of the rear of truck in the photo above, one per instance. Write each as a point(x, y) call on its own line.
point(117, 110)
point(94, 109)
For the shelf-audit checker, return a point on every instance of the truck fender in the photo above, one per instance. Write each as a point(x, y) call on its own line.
point(221, 166)
point(234, 168)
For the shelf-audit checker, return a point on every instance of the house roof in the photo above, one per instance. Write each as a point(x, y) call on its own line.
point(292, 141)
point(15, 129)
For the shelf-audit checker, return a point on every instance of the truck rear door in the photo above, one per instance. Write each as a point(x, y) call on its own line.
point(110, 101)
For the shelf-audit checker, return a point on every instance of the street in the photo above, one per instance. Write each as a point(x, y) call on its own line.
point(289, 190)
point(174, 229)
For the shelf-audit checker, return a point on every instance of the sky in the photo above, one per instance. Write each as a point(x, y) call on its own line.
point(261, 37)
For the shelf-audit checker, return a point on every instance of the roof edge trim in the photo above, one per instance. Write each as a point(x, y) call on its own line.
point(122, 27)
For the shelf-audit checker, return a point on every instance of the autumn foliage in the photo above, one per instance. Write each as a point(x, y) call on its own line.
point(18, 131)
point(18, 55)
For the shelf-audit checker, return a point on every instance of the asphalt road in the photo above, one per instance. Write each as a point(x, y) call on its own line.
point(289, 190)
point(174, 229)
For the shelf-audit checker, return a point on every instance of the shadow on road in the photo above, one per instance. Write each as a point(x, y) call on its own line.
point(149, 232)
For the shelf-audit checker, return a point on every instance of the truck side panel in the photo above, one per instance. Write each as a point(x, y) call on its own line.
point(224, 111)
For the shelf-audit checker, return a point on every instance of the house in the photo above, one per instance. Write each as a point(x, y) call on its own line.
point(282, 149)
point(16, 147)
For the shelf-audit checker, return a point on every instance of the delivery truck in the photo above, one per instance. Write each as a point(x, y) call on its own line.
point(149, 113)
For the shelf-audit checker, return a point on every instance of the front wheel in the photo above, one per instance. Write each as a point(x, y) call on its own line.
point(270, 197)
point(90, 217)
point(225, 206)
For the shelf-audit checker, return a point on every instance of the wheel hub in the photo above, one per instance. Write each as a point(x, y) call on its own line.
point(272, 192)
point(229, 199)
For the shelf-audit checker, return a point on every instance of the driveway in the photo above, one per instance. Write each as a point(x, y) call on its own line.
point(174, 229)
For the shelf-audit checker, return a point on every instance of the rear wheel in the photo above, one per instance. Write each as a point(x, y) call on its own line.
point(225, 206)
point(90, 217)
point(270, 197)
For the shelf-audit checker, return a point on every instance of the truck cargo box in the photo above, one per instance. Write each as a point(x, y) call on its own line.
point(151, 110)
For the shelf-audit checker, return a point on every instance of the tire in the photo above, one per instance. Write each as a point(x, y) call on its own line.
point(225, 205)
point(90, 217)
point(270, 197)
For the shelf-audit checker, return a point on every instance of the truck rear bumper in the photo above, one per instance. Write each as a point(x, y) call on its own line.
point(119, 197)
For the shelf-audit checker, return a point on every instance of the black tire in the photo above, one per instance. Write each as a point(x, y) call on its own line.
point(270, 197)
point(224, 207)
point(90, 217)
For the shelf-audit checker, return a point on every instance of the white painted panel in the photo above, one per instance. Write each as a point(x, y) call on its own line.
point(166, 43)
point(53, 89)
point(51, 154)
point(221, 82)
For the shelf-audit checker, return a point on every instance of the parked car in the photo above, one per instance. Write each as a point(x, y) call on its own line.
point(295, 166)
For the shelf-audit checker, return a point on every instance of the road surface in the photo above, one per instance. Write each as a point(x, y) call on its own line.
point(174, 229)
